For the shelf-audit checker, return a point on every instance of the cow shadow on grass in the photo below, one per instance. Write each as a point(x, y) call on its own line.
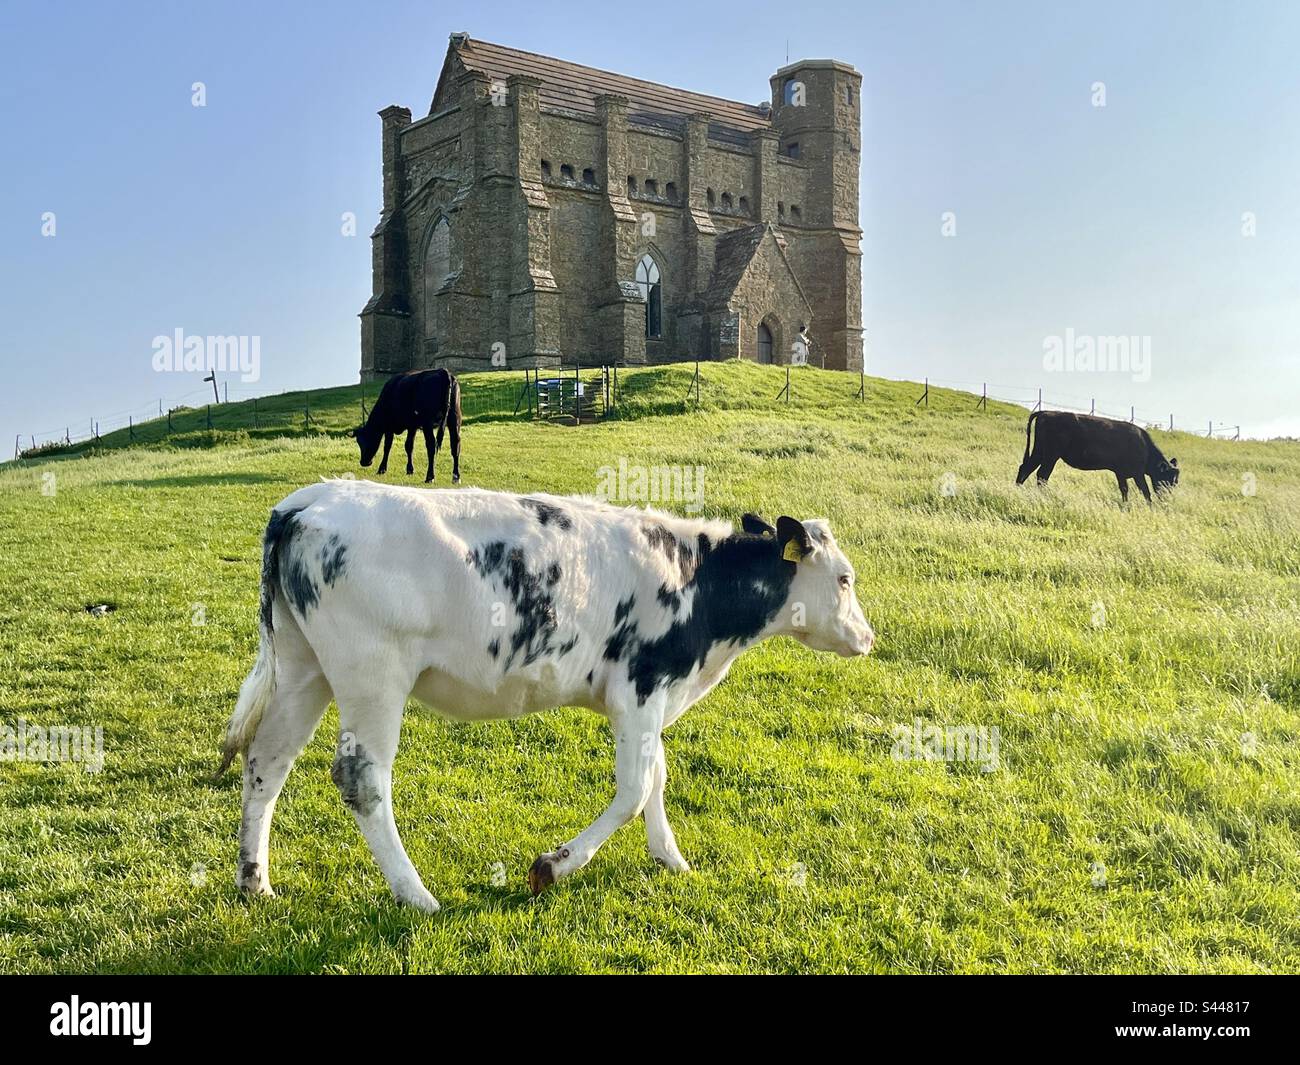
point(292, 933)
point(195, 480)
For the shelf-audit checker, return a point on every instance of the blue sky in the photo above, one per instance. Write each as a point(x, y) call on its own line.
point(1122, 220)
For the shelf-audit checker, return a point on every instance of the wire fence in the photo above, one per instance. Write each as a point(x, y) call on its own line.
point(1036, 399)
point(571, 395)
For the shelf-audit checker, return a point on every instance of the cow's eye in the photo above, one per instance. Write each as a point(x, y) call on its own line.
point(846, 581)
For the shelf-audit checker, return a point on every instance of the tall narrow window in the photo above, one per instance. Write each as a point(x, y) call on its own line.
point(764, 343)
point(437, 265)
point(647, 280)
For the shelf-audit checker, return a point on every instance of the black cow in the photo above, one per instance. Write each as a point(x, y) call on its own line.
point(421, 399)
point(1089, 443)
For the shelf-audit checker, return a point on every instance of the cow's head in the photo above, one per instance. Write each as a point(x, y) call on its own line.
point(368, 440)
point(1164, 475)
point(824, 612)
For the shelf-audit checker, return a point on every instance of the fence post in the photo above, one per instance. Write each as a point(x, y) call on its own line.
point(862, 382)
point(130, 427)
point(169, 421)
point(1094, 406)
point(983, 404)
point(925, 396)
point(1132, 414)
point(18, 445)
point(209, 415)
point(1171, 423)
point(787, 382)
point(1210, 431)
point(255, 424)
point(577, 401)
point(306, 411)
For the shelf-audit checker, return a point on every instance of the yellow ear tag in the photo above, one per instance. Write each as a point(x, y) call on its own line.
point(792, 553)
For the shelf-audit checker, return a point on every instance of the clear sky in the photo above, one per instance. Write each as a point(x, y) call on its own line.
point(1071, 220)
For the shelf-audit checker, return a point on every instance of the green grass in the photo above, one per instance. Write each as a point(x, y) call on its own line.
point(1121, 744)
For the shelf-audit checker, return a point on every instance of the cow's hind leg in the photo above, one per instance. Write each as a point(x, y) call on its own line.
point(453, 431)
point(636, 739)
point(1048, 466)
point(301, 696)
point(1027, 467)
point(431, 446)
point(658, 832)
point(370, 725)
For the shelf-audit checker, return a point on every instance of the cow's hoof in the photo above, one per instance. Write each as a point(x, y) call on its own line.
point(455, 478)
point(418, 900)
point(542, 873)
point(428, 480)
point(256, 889)
point(674, 863)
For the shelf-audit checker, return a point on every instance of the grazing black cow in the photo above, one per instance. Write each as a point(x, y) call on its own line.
point(1090, 443)
point(421, 399)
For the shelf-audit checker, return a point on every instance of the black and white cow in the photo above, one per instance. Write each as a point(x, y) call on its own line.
point(486, 605)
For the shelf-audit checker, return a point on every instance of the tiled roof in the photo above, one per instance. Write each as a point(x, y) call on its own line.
point(573, 87)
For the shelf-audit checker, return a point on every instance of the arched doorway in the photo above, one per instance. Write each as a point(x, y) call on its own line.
point(764, 343)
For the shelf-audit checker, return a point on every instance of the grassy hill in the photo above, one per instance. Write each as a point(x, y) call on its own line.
point(1142, 667)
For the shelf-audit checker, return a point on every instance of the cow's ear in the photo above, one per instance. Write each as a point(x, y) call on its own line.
point(756, 526)
point(1173, 463)
point(793, 538)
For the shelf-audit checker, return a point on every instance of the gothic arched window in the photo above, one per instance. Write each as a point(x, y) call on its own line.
point(647, 280)
point(437, 265)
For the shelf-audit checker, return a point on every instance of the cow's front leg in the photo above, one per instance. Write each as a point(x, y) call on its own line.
point(636, 742)
point(410, 449)
point(658, 832)
point(369, 728)
point(388, 446)
point(1141, 481)
point(1123, 487)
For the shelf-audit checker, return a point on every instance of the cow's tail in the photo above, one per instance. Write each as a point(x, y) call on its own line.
point(452, 411)
point(258, 689)
point(1029, 425)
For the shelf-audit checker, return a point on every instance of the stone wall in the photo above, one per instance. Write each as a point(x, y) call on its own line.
point(550, 212)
